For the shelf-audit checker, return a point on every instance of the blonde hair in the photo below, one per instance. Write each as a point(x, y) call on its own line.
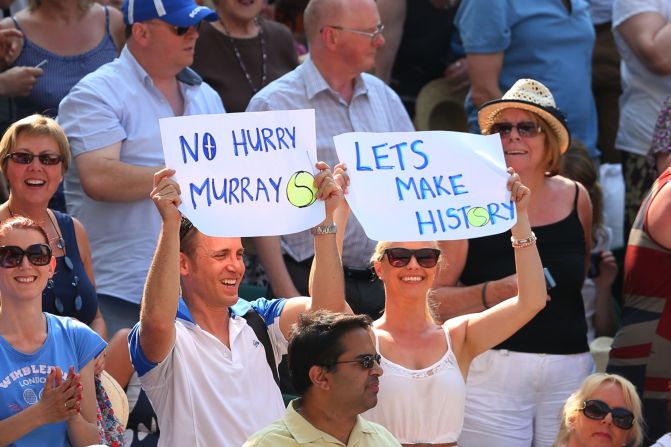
point(431, 306)
point(589, 386)
point(34, 125)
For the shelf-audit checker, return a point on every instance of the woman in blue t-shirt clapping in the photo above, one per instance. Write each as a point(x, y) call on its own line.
point(38, 405)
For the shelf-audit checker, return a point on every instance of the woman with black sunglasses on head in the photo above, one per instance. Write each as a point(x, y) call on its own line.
point(47, 394)
point(516, 390)
point(604, 412)
point(422, 391)
point(34, 155)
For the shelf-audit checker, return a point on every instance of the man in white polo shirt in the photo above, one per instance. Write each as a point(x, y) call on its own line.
point(206, 371)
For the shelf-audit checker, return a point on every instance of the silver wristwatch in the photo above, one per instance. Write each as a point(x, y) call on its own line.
point(323, 229)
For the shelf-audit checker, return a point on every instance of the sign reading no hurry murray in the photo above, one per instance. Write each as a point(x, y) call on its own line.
point(245, 174)
point(427, 185)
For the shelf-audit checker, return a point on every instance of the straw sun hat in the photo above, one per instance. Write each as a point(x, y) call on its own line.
point(117, 397)
point(530, 95)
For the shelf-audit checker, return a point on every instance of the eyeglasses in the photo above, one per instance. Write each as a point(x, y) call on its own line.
point(526, 129)
point(26, 158)
point(598, 410)
point(372, 35)
point(400, 257)
point(12, 256)
point(366, 361)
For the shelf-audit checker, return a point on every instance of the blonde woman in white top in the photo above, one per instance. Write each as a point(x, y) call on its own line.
point(421, 398)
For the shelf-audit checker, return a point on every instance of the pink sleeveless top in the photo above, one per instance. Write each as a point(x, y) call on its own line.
point(424, 405)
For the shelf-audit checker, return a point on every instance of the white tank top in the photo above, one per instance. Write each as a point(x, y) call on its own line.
point(421, 405)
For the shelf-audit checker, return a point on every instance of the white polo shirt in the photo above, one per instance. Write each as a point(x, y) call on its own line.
point(206, 394)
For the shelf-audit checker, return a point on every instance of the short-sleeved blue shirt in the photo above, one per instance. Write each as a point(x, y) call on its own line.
point(22, 376)
point(540, 40)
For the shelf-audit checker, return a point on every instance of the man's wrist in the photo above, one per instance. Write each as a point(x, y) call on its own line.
point(320, 230)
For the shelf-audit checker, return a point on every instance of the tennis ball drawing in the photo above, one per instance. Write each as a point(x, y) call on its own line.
point(477, 216)
point(300, 189)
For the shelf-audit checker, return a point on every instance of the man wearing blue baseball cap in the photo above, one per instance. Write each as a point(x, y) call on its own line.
point(182, 13)
point(111, 119)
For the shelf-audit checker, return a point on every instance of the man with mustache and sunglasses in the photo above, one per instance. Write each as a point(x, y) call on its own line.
point(334, 368)
point(200, 361)
point(111, 120)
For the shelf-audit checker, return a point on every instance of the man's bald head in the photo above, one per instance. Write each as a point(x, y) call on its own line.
point(319, 13)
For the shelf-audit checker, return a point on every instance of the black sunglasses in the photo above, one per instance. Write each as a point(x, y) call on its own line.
point(526, 129)
point(181, 30)
point(400, 257)
point(367, 361)
point(11, 256)
point(26, 158)
point(598, 410)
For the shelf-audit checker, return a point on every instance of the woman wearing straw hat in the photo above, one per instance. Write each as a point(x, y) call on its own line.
point(515, 391)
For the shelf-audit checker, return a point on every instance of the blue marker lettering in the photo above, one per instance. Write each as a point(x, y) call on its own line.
point(379, 157)
point(359, 167)
point(413, 148)
point(204, 187)
point(400, 184)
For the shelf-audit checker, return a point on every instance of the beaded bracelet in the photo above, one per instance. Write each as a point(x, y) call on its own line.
point(521, 243)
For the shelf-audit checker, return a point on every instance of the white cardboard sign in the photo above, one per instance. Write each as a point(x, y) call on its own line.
point(412, 186)
point(245, 174)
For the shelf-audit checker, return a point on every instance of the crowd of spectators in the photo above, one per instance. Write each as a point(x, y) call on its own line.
point(477, 343)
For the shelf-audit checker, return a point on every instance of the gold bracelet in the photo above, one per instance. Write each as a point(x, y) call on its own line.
point(521, 243)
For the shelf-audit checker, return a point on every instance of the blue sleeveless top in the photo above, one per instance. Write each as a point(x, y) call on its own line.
point(61, 73)
point(60, 297)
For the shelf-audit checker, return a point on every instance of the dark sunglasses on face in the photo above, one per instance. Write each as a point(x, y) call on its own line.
point(26, 158)
point(400, 257)
point(598, 410)
point(526, 129)
point(181, 30)
point(366, 361)
point(11, 256)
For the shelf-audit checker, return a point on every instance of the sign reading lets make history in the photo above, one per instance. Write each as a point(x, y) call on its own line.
point(245, 174)
point(412, 186)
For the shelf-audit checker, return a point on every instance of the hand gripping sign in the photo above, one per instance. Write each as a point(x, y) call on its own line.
point(245, 174)
point(412, 186)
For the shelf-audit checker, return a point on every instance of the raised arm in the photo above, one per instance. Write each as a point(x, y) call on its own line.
point(484, 330)
point(328, 285)
point(340, 215)
point(161, 291)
